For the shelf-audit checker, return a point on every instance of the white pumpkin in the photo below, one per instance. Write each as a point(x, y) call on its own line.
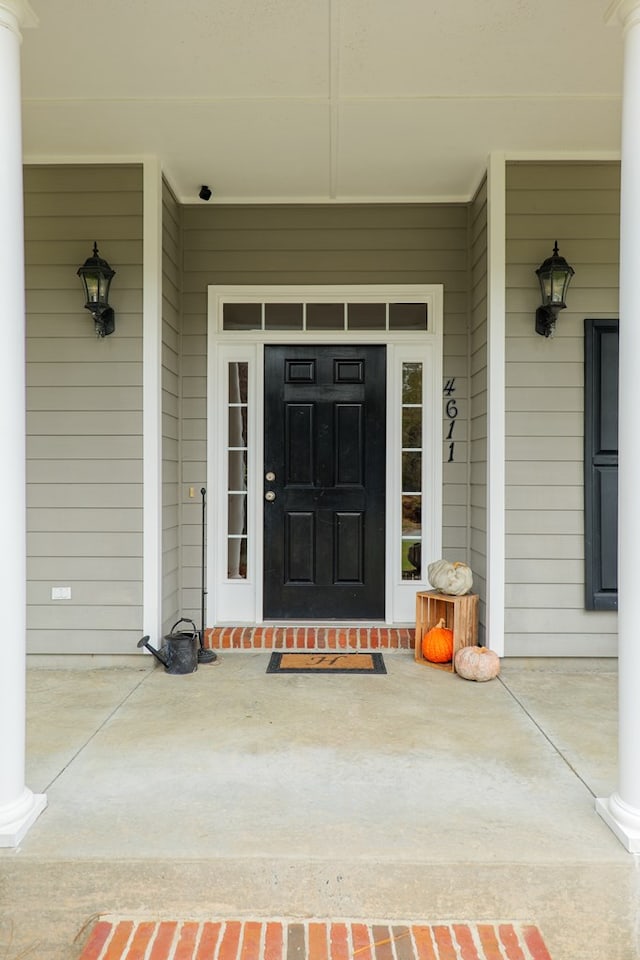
point(477, 663)
point(454, 579)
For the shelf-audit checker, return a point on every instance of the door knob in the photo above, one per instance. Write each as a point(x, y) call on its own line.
point(270, 496)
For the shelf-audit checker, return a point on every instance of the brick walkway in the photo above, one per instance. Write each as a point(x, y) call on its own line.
point(119, 939)
point(309, 638)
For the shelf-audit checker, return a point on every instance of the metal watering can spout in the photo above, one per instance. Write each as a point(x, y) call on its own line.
point(157, 654)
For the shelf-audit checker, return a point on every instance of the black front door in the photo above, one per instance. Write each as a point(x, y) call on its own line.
point(324, 482)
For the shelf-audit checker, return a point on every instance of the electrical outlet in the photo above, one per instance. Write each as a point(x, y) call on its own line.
point(61, 593)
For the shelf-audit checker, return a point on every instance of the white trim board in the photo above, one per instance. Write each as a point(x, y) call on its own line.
point(240, 601)
point(152, 400)
point(496, 412)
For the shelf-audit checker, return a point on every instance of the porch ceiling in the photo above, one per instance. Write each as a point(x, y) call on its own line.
point(316, 100)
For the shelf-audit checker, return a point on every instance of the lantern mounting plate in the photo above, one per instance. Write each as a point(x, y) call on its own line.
point(546, 321)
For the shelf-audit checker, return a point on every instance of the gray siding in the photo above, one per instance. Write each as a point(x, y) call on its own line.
point(576, 204)
point(321, 245)
point(84, 412)
point(171, 323)
point(478, 400)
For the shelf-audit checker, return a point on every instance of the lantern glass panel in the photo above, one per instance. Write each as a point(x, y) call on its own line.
point(104, 284)
point(545, 287)
point(92, 287)
point(558, 278)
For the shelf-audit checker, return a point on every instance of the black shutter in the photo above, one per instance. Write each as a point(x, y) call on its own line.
point(601, 464)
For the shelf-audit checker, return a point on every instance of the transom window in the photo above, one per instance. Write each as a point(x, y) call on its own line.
point(352, 316)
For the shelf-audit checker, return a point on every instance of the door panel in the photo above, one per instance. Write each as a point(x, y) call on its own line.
point(299, 437)
point(349, 546)
point(349, 444)
point(299, 535)
point(325, 443)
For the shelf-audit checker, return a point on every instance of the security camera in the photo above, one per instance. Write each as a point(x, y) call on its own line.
point(205, 193)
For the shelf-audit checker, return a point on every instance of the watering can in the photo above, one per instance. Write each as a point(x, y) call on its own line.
point(179, 653)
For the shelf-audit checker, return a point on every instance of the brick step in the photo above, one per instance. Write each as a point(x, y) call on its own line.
point(116, 939)
point(309, 638)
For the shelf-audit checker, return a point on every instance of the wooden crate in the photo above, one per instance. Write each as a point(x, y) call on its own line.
point(460, 614)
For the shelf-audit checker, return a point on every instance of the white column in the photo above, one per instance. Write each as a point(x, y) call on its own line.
point(622, 809)
point(19, 807)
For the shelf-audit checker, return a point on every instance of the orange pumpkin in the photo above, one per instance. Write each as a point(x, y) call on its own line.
point(437, 644)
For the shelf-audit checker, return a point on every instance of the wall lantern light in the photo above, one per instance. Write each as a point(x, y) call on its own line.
point(96, 276)
point(554, 276)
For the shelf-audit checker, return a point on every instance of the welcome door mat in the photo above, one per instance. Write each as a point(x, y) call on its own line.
point(326, 662)
point(117, 938)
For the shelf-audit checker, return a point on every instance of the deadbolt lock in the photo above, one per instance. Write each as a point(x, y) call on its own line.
point(270, 476)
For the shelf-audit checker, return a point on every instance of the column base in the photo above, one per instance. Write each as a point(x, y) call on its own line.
point(622, 819)
point(16, 821)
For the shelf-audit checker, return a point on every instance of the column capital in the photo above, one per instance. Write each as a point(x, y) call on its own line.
point(17, 14)
point(626, 12)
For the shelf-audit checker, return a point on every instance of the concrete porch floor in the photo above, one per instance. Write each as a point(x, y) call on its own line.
point(411, 796)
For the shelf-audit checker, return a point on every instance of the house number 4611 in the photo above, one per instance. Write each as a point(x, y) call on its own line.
point(451, 411)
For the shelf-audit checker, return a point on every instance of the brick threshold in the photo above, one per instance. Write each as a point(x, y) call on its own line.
point(294, 637)
point(278, 939)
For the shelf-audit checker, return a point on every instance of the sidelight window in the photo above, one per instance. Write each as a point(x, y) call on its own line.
point(411, 470)
point(237, 463)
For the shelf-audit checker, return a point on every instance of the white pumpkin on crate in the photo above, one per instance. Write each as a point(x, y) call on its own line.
point(454, 579)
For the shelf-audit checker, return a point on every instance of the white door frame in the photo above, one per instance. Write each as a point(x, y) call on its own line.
point(239, 601)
